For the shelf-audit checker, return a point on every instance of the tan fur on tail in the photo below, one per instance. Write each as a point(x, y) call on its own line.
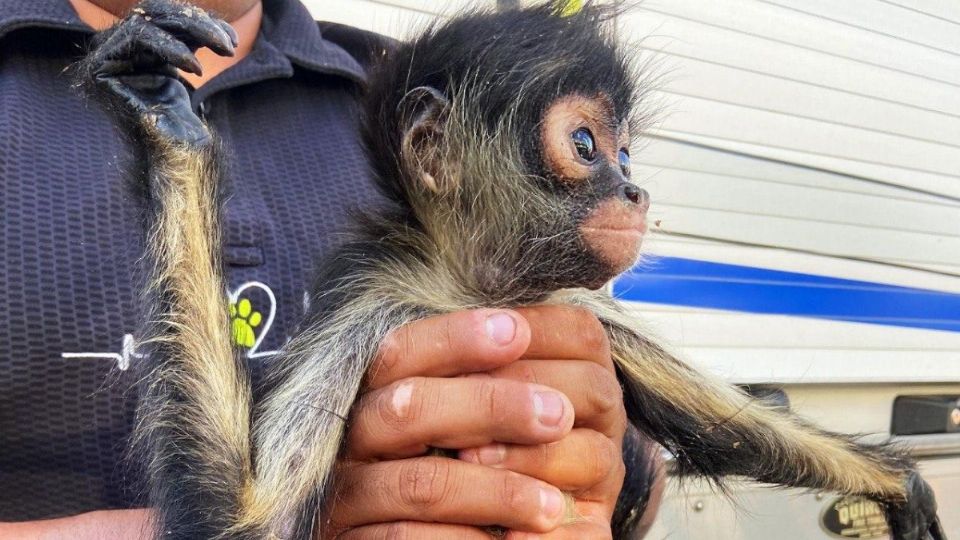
point(209, 407)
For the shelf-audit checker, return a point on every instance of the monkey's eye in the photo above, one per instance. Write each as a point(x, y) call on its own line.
point(623, 157)
point(583, 141)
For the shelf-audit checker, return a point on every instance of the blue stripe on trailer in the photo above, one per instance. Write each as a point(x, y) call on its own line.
point(690, 282)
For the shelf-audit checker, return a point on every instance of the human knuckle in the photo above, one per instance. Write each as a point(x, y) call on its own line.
point(489, 394)
point(399, 345)
point(605, 457)
point(449, 330)
point(526, 372)
point(401, 405)
point(605, 390)
point(619, 467)
point(514, 495)
point(424, 482)
point(591, 331)
point(546, 454)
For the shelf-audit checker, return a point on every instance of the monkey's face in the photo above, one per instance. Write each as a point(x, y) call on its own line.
point(586, 159)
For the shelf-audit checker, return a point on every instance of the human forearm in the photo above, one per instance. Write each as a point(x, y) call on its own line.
point(131, 524)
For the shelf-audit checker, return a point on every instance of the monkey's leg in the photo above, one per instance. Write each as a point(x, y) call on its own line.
point(192, 427)
point(715, 430)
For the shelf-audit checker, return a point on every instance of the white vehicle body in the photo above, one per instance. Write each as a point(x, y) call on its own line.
point(805, 175)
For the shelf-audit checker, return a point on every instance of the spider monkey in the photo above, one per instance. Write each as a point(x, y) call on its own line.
point(501, 141)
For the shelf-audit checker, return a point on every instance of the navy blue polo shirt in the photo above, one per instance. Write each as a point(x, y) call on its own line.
point(72, 234)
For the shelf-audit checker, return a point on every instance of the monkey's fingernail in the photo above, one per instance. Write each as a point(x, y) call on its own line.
point(234, 38)
point(548, 406)
point(551, 502)
point(501, 328)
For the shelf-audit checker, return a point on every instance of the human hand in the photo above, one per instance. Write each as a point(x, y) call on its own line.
point(560, 346)
point(569, 351)
point(417, 399)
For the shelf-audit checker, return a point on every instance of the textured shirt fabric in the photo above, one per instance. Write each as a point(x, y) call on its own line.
point(72, 234)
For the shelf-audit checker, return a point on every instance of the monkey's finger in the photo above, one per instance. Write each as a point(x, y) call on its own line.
point(594, 391)
point(192, 25)
point(234, 38)
point(566, 333)
point(169, 48)
point(449, 345)
point(407, 417)
point(437, 489)
point(578, 462)
point(413, 529)
point(142, 48)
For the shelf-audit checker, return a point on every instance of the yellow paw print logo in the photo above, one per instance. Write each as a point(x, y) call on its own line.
point(244, 319)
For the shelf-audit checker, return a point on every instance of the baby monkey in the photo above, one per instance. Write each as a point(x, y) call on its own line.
point(501, 143)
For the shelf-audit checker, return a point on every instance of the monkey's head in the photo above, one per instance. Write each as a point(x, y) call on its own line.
point(505, 138)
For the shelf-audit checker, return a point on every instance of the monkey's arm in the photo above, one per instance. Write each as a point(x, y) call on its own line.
point(716, 430)
point(192, 427)
point(311, 387)
point(300, 424)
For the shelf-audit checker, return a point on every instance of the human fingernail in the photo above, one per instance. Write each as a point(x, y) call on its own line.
point(501, 328)
point(548, 406)
point(492, 454)
point(401, 399)
point(551, 502)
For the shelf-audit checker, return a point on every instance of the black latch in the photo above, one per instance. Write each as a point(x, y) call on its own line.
point(915, 415)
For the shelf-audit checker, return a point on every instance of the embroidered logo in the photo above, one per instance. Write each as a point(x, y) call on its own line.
point(248, 326)
point(243, 320)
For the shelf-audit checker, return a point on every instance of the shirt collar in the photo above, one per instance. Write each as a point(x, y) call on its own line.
point(291, 29)
point(287, 30)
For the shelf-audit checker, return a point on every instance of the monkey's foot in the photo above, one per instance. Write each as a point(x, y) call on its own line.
point(135, 63)
point(917, 518)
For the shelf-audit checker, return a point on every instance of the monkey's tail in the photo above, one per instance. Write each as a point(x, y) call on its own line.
point(192, 432)
point(716, 430)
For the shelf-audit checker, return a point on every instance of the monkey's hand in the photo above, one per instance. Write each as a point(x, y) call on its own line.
point(916, 519)
point(134, 65)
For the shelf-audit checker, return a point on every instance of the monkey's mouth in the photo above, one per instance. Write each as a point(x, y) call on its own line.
point(608, 219)
point(632, 230)
point(614, 233)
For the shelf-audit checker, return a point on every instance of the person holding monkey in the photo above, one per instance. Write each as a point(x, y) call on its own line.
point(285, 107)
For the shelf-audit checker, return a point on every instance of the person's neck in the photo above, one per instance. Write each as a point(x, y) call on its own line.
point(247, 26)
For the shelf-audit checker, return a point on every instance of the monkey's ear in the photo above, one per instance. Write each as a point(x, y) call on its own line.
point(424, 112)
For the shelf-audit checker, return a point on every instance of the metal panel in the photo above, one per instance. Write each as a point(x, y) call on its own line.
point(694, 511)
point(886, 19)
point(754, 348)
point(797, 30)
point(679, 39)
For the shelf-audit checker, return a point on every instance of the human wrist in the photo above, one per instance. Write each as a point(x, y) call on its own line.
point(99, 524)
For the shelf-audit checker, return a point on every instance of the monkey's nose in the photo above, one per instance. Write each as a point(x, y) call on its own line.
point(634, 194)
